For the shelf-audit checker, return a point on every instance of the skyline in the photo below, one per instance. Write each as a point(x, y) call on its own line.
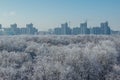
point(65, 29)
point(47, 14)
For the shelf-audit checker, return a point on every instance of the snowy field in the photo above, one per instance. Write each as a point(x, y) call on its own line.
point(59, 57)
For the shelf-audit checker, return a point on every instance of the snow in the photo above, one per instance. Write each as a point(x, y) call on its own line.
point(79, 57)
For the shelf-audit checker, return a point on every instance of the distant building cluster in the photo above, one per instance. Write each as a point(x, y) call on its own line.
point(14, 30)
point(104, 29)
point(64, 29)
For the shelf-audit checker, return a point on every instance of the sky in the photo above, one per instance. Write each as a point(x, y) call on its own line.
point(46, 14)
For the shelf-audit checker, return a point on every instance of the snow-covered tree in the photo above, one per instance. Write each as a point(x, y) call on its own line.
point(81, 57)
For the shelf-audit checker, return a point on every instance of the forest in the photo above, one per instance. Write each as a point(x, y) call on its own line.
point(81, 57)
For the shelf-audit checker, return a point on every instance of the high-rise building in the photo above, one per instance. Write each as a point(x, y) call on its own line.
point(29, 25)
point(95, 30)
point(83, 28)
point(76, 31)
point(13, 29)
point(50, 31)
point(105, 29)
point(14, 26)
point(57, 31)
point(31, 29)
point(65, 30)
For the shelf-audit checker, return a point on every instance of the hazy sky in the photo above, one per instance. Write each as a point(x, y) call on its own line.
point(45, 14)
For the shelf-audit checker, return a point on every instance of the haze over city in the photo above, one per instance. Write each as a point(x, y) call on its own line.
point(45, 14)
point(59, 40)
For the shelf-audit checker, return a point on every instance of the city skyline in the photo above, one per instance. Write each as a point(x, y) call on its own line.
point(64, 29)
point(47, 14)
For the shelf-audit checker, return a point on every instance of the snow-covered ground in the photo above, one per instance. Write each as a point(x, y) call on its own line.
point(60, 57)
